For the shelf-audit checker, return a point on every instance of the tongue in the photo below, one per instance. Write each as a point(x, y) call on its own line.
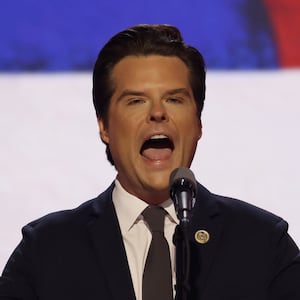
point(157, 154)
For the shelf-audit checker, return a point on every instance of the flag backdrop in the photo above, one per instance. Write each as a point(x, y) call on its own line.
point(66, 35)
point(51, 155)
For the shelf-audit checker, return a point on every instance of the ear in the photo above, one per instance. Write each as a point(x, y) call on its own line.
point(103, 129)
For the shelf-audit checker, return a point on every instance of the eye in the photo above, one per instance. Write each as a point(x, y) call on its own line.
point(135, 101)
point(175, 100)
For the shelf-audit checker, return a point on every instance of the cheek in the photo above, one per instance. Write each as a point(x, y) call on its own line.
point(121, 138)
point(118, 125)
point(192, 133)
point(189, 123)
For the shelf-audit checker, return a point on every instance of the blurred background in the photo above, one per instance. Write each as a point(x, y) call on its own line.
point(66, 35)
point(51, 157)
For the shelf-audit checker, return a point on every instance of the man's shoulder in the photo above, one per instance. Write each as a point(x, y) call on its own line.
point(239, 208)
point(239, 211)
point(72, 218)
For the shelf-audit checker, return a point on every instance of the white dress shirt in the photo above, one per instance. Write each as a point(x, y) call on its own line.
point(136, 235)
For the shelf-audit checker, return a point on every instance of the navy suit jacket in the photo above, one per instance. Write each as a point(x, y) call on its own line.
point(79, 254)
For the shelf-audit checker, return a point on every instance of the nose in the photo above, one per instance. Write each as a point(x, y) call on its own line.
point(158, 113)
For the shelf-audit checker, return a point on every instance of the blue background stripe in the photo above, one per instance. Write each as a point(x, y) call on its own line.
point(57, 35)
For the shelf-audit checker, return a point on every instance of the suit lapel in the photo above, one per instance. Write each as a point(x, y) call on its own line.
point(108, 244)
point(208, 220)
point(106, 237)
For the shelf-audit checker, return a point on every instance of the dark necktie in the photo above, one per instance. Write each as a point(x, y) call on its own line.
point(157, 278)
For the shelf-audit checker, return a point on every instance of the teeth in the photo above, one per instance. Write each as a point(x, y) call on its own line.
point(158, 136)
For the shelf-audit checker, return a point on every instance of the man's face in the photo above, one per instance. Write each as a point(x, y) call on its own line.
point(152, 125)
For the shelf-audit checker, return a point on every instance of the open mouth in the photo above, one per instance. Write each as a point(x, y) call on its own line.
point(157, 147)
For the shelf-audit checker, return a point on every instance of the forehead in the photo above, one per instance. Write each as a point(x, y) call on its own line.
point(132, 70)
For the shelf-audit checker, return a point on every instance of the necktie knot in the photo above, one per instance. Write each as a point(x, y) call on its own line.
point(155, 218)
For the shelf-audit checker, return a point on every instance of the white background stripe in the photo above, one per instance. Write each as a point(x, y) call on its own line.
point(52, 158)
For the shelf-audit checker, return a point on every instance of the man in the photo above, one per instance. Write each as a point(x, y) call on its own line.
point(148, 92)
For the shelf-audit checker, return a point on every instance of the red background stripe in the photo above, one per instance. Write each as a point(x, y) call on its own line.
point(285, 19)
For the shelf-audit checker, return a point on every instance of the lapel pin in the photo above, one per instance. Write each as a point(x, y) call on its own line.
point(202, 236)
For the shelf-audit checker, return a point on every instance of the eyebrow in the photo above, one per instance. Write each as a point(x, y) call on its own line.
point(172, 92)
point(126, 93)
point(183, 91)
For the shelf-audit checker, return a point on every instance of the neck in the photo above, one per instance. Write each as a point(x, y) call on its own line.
point(152, 197)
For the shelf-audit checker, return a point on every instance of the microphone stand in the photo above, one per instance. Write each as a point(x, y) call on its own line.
point(183, 194)
point(180, 239)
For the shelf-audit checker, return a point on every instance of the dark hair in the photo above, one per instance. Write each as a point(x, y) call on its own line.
point(165, 40)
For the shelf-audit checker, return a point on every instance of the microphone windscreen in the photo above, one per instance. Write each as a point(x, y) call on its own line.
point(182, 173)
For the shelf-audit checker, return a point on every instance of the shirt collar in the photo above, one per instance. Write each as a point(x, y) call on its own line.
point(129, 207)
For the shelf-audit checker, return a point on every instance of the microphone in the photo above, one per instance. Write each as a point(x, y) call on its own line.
point(183, 193)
